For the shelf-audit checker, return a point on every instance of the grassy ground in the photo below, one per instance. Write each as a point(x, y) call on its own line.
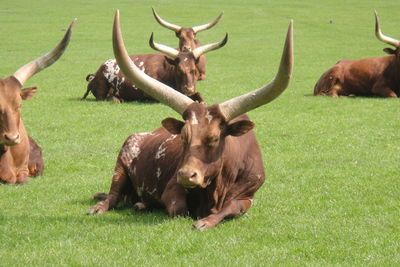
point(332, 190)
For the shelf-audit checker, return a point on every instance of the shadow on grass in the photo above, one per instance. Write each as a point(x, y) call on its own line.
point(93, 100)
point(124, 213)
point(351, 97)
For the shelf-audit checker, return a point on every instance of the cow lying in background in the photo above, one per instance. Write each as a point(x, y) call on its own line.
point(172, 67)
point(187, 38)
point(379, 76)
point(208, 166)
point(20, 156)
point(178, 69)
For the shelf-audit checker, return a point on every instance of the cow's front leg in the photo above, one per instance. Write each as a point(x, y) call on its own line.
point(231, 209)
point(174, 199)
point(119, 180)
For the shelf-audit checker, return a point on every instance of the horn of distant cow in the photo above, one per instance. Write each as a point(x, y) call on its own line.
point(207, 26)
point(384, 38)
point(244, 103)
point(154, 88)
point(28, 70)
point(164, 23)
point(172, 52)
point(198, 51)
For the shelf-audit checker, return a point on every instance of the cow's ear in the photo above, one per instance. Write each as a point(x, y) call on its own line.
point(389, 51)
point(171, 61)
point(172, 125)
point(239, 128)
point(27, 93)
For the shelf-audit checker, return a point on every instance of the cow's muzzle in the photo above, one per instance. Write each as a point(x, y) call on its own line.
point(11, 139)
point(189, 178)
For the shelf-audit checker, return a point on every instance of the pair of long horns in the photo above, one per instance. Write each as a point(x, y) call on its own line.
point(197, 52)
point(179, 102)
point(177, 28)
point(33, 67)
point(384, 38)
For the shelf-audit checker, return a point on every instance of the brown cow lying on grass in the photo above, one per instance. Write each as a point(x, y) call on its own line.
point(20, 156)
point(379, 76)
point(208, 166)
point(180, 69)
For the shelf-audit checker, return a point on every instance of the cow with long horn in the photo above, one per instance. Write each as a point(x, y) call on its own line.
point(378, 76)
point(175, 68)
point(20, 156)
point(208, 166)
point(187, 38)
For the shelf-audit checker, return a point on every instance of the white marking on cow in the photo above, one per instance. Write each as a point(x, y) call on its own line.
point(152, 192)
point(251, 202)
point(161, 149)
point(131, 149)
point(158, 173)
point(194, 119)
point(209, 117)
point(140, 190)
point(185, 59)
point(111, 74)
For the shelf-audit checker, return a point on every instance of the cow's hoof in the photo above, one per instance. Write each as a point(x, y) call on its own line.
point(22, 180)
point(99, 208)
point(140, 206)
point(202, 225)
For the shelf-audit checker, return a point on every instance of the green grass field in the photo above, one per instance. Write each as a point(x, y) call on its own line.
point(333, 165)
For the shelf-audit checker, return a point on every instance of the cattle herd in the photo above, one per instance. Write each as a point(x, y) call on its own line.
point(207, 166)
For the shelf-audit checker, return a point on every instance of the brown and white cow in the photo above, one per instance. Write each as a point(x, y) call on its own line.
point(172, 67)
point(187, 38)
point(20, 156)
point(378, 76)
point(208, 166)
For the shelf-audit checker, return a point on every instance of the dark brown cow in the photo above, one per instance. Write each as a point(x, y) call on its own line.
point(379, 76)
point(172, 67)
point(208, 166)
point(20, 156)
point(187, 38)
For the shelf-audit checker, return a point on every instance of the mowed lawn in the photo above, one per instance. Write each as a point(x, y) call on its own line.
point(333, 165)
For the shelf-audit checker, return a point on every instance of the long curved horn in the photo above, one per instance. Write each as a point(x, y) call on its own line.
point(198, 51)
point(156, 89)
point(172, 52)
point(29, 69)
point(384, 38)
point(164, 23)
point(207, 26)
point(244, 103)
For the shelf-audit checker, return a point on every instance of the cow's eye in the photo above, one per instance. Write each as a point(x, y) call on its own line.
point(212, 141)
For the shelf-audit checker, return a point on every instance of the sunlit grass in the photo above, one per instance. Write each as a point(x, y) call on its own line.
point(332, 191)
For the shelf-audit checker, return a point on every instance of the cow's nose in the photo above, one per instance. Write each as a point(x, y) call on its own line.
point(187, 49)
point(187, 178)
point(12, 138)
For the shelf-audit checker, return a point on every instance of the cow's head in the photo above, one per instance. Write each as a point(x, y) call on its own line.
point(12, 94)
point(184, 62)
point(187, 36)
point(204, 130)
point(387, 40)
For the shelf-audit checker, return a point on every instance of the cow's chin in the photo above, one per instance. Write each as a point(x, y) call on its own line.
point(198, 184)
point(9, 143)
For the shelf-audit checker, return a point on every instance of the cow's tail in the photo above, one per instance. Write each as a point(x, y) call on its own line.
point(89, 78)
